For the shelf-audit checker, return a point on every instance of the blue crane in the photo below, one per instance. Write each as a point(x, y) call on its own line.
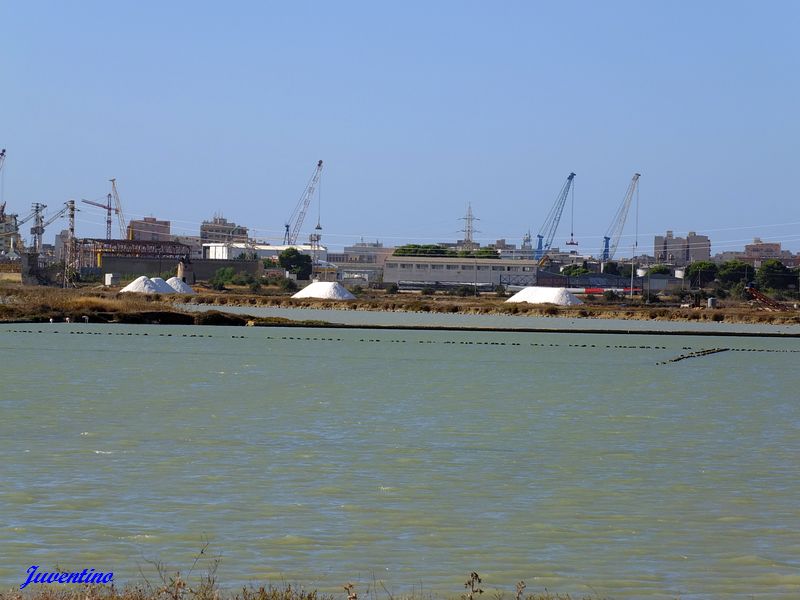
point(611, 238)
point(548, 230)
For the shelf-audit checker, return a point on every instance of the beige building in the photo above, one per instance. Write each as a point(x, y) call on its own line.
point(220, 230)
point(438, 270)
point(149, 229)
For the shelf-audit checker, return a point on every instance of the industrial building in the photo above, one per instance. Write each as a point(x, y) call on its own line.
point(230, 251)
point(454, 271)
point(362, 262)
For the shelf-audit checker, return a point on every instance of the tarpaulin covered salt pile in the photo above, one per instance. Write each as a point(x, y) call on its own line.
point(328, 290)
point(180, 286)
point(545, 295)
point(140, 285)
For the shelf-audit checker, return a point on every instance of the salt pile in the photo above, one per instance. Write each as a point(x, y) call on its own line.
point(140, 285)
point(179, 286)
point(545, 295)
point(329, 290)
point(161, 286)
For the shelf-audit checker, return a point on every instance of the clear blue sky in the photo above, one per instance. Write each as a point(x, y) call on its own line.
point(417, 108)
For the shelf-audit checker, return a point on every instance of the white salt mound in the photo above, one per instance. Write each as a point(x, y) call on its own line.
point(545, 295)
point(161, 286)
point(180, 286)
point(140, 285)
point(330, 290)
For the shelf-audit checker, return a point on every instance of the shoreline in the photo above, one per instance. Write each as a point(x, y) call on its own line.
point(40, 305)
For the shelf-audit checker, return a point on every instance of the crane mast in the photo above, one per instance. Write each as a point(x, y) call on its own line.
point(37, 231)
point(611, 239)
point(548, 230)
point(118, 208)
point(295, 221)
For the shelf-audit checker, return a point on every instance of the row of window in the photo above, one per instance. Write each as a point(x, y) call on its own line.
point(424, 267)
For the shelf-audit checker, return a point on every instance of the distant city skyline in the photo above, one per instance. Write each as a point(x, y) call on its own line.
point(417, 110)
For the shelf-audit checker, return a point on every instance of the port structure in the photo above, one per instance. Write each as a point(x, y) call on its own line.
point(611, 238)
point(112, 205)
point(295, 221)
point(548, 230)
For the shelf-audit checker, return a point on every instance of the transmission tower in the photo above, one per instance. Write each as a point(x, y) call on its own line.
point(469, 227)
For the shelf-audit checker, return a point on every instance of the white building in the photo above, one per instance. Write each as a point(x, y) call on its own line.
point(232, 250)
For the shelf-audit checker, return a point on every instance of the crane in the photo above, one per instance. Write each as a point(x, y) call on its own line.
point(548, 230)
point(120, 216)
point(298, 215)
point(611, 238)
point(108, 208)
point(112, 205)
point(38, 229)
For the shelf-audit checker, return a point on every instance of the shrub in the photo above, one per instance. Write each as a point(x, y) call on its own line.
point(288, 285)
point(392, 288)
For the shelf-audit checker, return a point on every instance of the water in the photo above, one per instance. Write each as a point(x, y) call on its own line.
point(573, 461)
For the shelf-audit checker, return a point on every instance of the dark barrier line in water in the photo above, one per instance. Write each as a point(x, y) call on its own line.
point(692, 353)
point(373, 327)
point(696, 354)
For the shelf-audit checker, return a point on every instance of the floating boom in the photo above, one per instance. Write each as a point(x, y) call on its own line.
point(611, 238)
point(548, 230)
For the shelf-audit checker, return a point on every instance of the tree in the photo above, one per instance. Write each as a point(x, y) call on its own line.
point(575, 270)
point(221, 277)
point(294, 262)
point(660, 270)
point(734, 271)
point(701, 273)
point(774, 274)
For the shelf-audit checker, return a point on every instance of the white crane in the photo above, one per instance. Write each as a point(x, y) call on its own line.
point(611, 238)
point(298, 215)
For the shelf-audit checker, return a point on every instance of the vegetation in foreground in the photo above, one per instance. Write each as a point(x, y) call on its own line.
point(205, 587)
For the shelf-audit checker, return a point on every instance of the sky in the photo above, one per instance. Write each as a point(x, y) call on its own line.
point(416, 108)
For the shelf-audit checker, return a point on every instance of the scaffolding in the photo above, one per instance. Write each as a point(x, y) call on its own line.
point(90, 251)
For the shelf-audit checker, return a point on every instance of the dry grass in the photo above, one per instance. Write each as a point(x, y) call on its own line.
point(44, 303)
point(36, 304)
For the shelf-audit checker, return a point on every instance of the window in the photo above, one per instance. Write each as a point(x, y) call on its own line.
point(452, 267)
point(391, 265)
point(406, 266)
point(483, 267)
point(422, 266)
point(498, 268)
point(467, 268)
point(437, 266)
